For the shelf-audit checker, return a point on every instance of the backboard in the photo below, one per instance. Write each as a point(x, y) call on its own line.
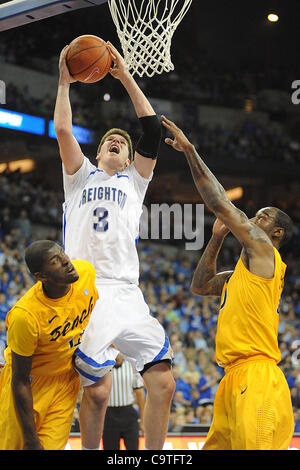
point(19, 12)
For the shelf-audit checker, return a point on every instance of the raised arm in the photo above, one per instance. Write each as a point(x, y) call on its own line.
point(21, 389)
point(206, 280)
point(148, 145)
point(254, 240)
point(70, 151)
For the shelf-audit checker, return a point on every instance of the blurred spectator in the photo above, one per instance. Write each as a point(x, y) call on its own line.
point(195, 398)
point(204, 413)
point(297, 420)
point(208, 383)
point(12, 297)
point(4, 282)
point(179, 357)
point(190, 417)
point(295, 395)
point(178, 419)
point(179, 401)
point(4, 308)
point(191, 373)
point(23, 224)
point(75, 423)
point(292, 378)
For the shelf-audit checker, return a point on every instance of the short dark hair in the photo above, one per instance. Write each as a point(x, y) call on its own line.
point(284, 221)
point(35, 255)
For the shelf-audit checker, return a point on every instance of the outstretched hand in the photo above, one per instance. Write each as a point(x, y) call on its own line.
point(180, 141)
point(64, 74)
point(119, 68)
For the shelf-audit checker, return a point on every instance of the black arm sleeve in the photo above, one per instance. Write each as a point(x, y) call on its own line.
point(149, 142)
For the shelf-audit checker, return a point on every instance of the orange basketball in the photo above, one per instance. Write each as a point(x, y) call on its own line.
point(88, 59)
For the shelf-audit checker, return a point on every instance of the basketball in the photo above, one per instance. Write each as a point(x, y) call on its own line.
point(88, 59)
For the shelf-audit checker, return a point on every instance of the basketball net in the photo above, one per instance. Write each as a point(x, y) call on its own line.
point(145, 29)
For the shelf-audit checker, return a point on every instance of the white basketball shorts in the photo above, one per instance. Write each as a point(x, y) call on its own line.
point(122, 318)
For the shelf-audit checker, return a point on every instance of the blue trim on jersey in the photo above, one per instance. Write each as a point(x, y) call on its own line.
point(164, 349)
point(93, 172)
point(122, 176)
point(93, 378)
point(91, 361)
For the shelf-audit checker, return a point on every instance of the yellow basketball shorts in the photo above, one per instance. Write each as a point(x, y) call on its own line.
point(54, 400)
point(252, 408)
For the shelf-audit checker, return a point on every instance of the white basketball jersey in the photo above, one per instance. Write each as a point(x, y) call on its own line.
point(101, 220)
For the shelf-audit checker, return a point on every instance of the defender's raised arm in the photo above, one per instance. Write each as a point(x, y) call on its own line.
point(255, 241)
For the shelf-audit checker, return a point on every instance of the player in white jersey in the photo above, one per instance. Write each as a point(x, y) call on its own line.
point(107, 209)
point(102, 209)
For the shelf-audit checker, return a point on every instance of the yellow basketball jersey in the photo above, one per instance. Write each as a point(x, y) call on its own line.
point(51, 329)
point(248, 318)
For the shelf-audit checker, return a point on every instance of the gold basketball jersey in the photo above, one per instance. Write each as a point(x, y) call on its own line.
point(248, 317)
point(51, 329)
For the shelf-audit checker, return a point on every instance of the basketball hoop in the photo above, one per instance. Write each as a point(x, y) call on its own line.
point(145, 29)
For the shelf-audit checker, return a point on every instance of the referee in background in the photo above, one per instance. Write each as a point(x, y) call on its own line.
point(121, 419)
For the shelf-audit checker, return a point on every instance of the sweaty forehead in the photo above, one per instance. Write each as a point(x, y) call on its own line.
point(266, 210)
point(112, 136)
point(53, 251)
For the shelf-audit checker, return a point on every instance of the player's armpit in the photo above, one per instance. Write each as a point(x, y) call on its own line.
point(248, 234)
point(258, 250)
point(212, 287)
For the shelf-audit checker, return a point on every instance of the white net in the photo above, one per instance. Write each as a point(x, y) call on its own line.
point(145, 29)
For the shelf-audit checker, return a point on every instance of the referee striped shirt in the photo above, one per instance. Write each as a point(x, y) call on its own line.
point(124, 381)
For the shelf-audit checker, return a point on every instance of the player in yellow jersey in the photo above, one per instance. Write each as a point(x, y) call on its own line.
point(38, 384)
point(252, 408)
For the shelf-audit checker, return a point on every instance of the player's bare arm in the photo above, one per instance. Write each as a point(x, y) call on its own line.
point(70, 151)
point(21, 367)
point(206, 280)
point(258, 252)
point(143, 109)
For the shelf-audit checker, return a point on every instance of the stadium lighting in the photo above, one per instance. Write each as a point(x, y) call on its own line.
point(25, 165)
point(235, 193)
point(273, 18)
point(106, 97)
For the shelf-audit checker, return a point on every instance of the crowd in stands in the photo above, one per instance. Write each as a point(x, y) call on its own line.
point(193, 82)
point(249, 140)
point(165, 277)
point(23, 195)
point(206, 79)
